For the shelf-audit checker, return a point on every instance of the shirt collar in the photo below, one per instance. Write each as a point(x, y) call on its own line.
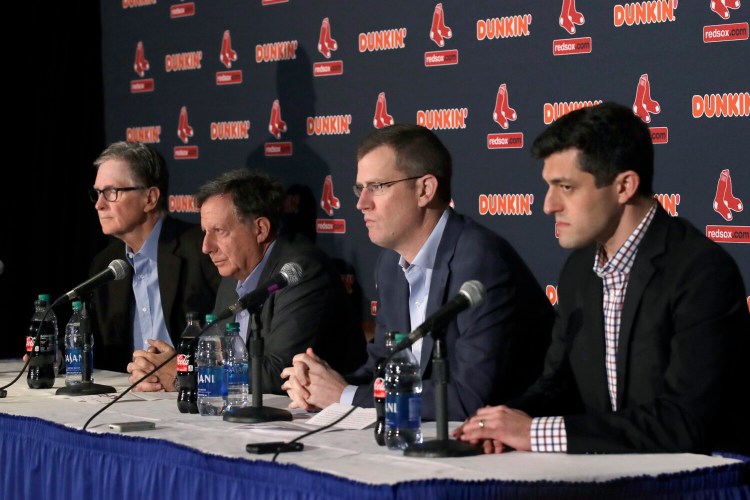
point(426, 256)
point(251, 282)
point(622, 260)
point(150, 248)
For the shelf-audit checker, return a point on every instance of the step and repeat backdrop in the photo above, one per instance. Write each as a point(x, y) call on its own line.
point(291, 86)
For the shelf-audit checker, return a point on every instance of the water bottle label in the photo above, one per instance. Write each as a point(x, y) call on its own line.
point(403, 411)
point(237, 374)
point(73, 361)
point(29, 343)
point(378, 388)
point(211, 382)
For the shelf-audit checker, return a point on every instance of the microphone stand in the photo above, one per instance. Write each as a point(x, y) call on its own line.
point(86, 387)
point(257, 412)
point(443, 446)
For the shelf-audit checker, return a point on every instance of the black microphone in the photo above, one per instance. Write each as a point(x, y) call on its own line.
point(117, 270)
point(290, 274)
point(470, 294)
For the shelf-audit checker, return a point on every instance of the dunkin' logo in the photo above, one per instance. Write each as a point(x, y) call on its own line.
point(230, 130)
point(570, 17)
point(724, 201)
point(276, 51)
point(182, 203)
point(129, 4)
point(381, 118)
point(443, 119)
point(643, 105)
point(721, 7)
point(555, 110)
point(149, 135)
point(505, 204)
point(390, 39)
point(650, 12)
point(503, 27)
point(329, 125)
point(721, 105)
point(669, 202)
point(183, 61)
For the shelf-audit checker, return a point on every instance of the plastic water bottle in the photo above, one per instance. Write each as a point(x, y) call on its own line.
point(403, 400)
point(236, 366)
point(187, 376)
point(74, 344)
point(43, 353)
point(212, 387)
point(378, 389)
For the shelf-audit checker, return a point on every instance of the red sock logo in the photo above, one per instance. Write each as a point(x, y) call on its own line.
point(276, 125)
point(725, 202)
point(503, 112)
point(721, 7)
point(184, 130)
point(569, 16)
point(328, 201)
point(643, 105)
point(227, 56)
point(439, 31)
point(141, 64)
point(326, 44)
point(382, 118)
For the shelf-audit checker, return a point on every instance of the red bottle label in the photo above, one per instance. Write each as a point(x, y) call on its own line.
point(379, 388)
point(182, 363)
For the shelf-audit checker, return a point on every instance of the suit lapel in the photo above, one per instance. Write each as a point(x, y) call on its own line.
point(168, 265)
point(644, 267)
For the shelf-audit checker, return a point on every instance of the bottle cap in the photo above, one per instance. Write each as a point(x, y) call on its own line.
point(400, 336)
point(233, 327)
point(76, 304)
point(44, 297)
point(210, 318)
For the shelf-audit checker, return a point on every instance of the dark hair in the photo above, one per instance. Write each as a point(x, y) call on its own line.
point(611, 139)
point(418, 152)
point(146, 165)
point(254, 194)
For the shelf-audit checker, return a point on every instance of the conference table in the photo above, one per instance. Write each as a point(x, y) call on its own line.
point(46, 453)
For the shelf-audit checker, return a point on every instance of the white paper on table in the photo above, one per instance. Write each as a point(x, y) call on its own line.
point(359, 419)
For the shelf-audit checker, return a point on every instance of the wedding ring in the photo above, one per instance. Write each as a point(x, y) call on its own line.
point(481, 423)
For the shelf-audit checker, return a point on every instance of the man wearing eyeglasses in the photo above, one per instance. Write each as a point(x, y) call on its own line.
point(495, 349)
point(171, 275)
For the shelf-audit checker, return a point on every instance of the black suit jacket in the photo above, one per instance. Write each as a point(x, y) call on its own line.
point(496, 349)
point(188, 281)
point(683, 338)
point(316, 312)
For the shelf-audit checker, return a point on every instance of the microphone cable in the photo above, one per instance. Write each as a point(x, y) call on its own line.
point(37, 336)
point(310, 433)
point(193, 343)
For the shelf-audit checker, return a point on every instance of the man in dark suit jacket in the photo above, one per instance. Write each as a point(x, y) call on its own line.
point(653, 328)
point(494, 349)
point(130, 198)
point(240, 214)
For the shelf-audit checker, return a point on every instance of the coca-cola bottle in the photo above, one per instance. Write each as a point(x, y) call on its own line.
point(186, 381)
point(41, 346)
point(379, 389)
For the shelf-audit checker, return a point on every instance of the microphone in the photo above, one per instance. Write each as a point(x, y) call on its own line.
point(470, 294)
point(290, 274)
point(117, 270)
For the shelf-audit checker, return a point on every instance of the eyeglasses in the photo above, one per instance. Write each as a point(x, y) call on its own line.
point(110, 193)
point(377, 188)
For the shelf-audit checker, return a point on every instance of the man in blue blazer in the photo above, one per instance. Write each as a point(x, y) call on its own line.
point(493, 350)
point(648, 351)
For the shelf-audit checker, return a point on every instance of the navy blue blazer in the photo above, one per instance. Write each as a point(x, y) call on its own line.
point(683, 342)
point(494, 350)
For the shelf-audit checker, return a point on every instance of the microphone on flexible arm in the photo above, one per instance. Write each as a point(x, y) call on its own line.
point(116, 270)
point(290, 274)
point(471, 293)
